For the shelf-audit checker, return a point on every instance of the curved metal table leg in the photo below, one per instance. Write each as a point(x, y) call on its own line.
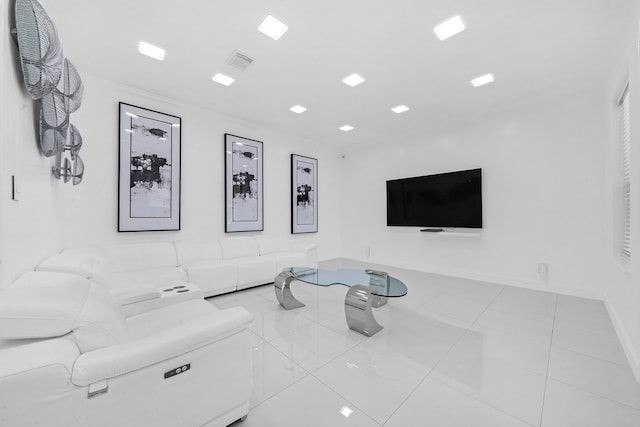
point(283, 291)
point(378, 301)
point(357, 307)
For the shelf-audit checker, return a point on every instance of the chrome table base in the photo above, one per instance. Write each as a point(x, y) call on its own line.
point(358, 304)
point(283, 291)
point(357, 308)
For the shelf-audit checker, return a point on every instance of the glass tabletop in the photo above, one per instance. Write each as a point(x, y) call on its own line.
point(381, 284)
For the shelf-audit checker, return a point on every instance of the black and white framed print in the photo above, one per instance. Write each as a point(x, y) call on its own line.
point(243, 189)
point(304, 194)
point(149, 170)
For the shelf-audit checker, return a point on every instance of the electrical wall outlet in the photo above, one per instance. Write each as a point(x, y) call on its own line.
point(543, 270)
point(367, 251)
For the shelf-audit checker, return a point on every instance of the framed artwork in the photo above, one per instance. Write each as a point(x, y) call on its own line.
point(149, 170)
point(243, 191)
point(304, 194)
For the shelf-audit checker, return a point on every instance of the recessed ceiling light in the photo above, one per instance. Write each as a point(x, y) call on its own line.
point(353, 80)
point(223, 79)
point(273, 27)
point(346, 128)
point(298, 109)
point(150, 50)
point(400, 109)
point(482, 80)
point(449, 27)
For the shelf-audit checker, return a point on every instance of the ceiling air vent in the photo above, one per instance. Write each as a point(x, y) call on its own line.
point(239, 60)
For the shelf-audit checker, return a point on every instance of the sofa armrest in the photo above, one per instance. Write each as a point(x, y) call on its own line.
point(134, 294)
point(304, 247)
point(124, 358)
point(20, 356)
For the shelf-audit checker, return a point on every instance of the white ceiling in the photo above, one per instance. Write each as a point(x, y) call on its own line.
point(533, 47)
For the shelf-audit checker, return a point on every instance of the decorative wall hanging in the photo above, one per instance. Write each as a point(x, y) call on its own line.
point(304, 194)
point(149, 170)
point(54, 83)
point(243, 189)
point(40, 48)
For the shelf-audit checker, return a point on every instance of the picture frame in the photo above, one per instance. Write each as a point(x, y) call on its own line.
point(243, 191)
point(149, 170)
point(304, 194)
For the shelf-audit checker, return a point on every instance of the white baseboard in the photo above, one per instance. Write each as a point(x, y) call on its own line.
point(627, 344)
point(504, 280)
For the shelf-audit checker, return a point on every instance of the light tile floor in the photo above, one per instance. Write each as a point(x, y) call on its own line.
point(453, 352)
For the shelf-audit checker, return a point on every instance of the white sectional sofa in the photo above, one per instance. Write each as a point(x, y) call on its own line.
point(70, 356)
point(143, 276)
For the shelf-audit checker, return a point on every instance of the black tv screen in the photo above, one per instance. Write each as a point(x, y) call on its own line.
point(452, 200)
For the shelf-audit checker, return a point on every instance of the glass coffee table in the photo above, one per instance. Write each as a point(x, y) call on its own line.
point(368, 289)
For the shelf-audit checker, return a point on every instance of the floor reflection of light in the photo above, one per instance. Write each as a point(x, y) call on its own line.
point(346, 411)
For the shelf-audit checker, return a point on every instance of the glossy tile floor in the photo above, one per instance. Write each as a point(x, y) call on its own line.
point(453, 352)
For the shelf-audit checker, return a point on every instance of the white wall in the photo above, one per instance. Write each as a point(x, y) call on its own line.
point(543, 186)
point(92, 206)
point(548, 195)
point(622, 288)
point(547, 187)
point(29, 228)
point(51, 215)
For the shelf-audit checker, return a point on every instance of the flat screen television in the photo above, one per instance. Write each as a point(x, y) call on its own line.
point(446, 200)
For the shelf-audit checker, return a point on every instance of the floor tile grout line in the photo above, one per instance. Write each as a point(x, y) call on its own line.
point(546, 377)
point(597, 395)
point(508, 363)
point(407, 398)
point(592, 356)
point(311, 373)
point(329, 360)
point(479, 400)
point(554, 338)
point(500, 310)
point(383, 355)
point(430, 371)
point(508, 332)
point(279, 392)
point(486, 308)
point(347, 400)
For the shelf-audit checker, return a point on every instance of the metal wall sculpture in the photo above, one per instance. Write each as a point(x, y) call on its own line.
point(54, 83)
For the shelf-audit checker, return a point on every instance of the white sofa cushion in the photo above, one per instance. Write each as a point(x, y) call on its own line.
point(269, 245)
point(140, 256)
point(188, 252)
point(286, 253)
point(85, 262)
point(256, 270)
point(47, 304)
point(159, 277)
point(213, 276)
point(41, 305)
point(101, 323)
point(239, 247)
